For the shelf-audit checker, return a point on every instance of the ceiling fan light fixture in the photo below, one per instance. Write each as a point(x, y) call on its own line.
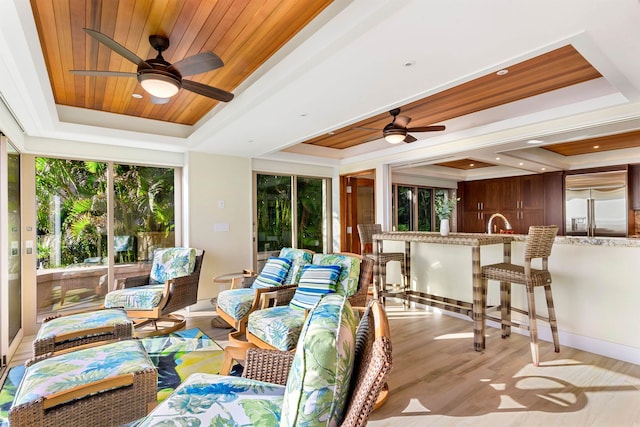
point(159, 85)
point(395, 136)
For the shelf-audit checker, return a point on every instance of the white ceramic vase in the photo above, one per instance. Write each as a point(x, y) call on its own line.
point(444, 227)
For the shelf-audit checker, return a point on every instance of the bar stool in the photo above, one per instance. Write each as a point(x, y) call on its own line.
point(538, 245)
point(366, 232)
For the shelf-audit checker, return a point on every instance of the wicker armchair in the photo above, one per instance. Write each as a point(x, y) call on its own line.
point(358, 299)
point(539, 242)
point(234, 305)
point(268, 324)
point(155, 304)
point(274, 383)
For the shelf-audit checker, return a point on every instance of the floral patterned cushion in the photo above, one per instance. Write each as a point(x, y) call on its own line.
point(300, 258)
point(170, 263)
point(81, 321)
point(66, 371)
point(236, 302)
point(349, 275)
point(318, 383)
point(273, 273)
point(315, 282)
point(214, 400)
point(144, 297)
point(279, 326)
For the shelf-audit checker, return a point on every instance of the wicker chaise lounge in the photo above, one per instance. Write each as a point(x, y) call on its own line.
point(346, 365)
point(99, 385)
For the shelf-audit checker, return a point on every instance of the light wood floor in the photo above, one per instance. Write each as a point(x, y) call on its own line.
point(438, 380)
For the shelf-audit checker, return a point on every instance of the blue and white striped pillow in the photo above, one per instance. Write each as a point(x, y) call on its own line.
point(273, 273)
point(315, 282)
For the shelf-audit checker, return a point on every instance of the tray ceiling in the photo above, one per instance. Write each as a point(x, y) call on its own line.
point(243, 33)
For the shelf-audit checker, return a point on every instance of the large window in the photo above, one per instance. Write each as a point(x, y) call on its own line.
point(291, 211)
point(73, 240)
point(413, 207)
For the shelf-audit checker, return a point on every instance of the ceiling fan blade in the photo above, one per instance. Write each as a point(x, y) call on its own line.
point(99, 73)
point(196, 64)
point(410, 138)
point(208, 91)
point(401, 121)
point(116, 47)
point(434, 128)
point(159, 101)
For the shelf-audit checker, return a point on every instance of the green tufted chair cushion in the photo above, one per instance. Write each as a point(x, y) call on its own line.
point(318, 382)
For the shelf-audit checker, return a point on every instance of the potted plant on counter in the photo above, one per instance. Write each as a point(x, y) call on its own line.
point(444, 208)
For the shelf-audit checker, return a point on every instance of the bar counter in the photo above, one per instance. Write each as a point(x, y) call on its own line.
point(476, 308)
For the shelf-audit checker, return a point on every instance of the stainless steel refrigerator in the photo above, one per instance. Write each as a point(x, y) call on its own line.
point(596, 204)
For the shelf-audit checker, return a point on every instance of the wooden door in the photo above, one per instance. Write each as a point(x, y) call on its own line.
point(357, 206)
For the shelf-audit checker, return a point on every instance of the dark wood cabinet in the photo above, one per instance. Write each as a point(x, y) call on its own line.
point(520, 199)
point(633, 176)
point(554, 200)
point(474, 195)
point(531, 194)
point(474, 222)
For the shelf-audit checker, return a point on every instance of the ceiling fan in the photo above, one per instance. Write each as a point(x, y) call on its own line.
point(158, 77)
point(397, 131)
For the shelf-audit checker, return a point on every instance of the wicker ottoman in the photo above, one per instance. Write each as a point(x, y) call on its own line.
point(101, 385)
point(60, 332)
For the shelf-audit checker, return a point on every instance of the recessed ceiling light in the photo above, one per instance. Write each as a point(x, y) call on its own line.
point(472, 164)
point(136, 95)
point(331, 133)
point(543, 169)
point(595, 147)
point(535, 141)
point(497, 158)
point(521, 164)
point(502, 72)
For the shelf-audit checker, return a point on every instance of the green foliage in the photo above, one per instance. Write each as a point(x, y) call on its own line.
point(72, 195)
point(444, 206)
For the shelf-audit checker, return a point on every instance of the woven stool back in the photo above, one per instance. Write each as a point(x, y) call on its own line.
point(366, 232)
point(539, 241)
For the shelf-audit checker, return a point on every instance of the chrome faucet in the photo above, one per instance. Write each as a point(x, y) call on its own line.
point(506, 222)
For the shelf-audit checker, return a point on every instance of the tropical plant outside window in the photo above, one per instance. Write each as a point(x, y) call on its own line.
point(414, 207)
point(282, 198)
point(72, 226)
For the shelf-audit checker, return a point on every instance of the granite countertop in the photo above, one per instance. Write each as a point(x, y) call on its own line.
point(480, 239)
point(620, 242)
point(463, 239)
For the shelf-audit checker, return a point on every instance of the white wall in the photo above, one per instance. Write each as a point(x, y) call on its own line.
point(218, 193)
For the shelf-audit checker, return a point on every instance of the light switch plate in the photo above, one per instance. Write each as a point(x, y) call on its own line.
point(220, 227)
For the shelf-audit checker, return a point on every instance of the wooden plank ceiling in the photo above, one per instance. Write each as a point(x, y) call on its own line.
point(593, 145)
point(551, 71)
point(243, 33)
point(465, 164)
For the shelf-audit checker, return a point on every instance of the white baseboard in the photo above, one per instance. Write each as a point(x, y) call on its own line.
point(568, 339)
point(581, 342)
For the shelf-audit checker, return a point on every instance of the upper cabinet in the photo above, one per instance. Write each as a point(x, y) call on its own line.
point(520, 199)
point(634, 186)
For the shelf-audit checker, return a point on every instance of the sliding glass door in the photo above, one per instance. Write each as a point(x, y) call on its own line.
point(291, 211)
point(76, 234)
point(10, 251)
